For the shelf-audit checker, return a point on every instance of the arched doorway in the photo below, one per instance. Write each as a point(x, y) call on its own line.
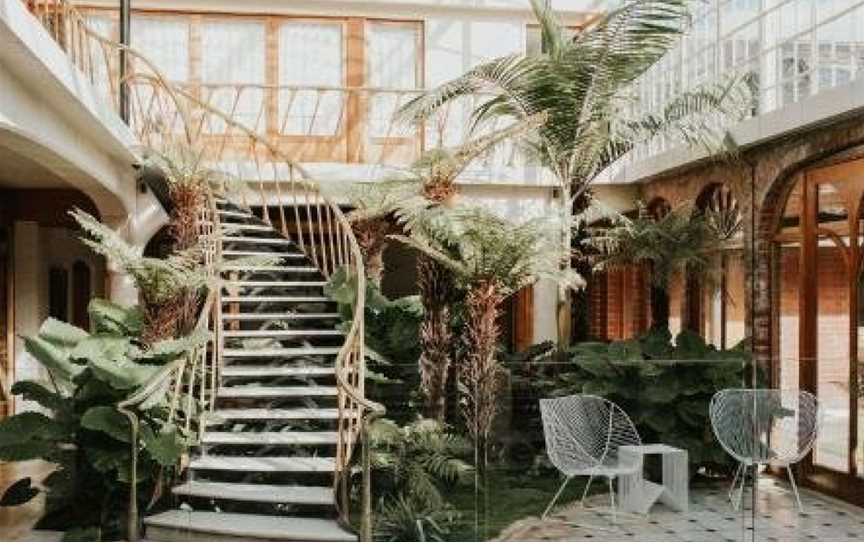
point(819, 252)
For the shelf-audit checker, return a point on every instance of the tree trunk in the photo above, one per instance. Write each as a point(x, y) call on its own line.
point(479, 373)
point(436, 284)
point(659, 309)
point(371, 236)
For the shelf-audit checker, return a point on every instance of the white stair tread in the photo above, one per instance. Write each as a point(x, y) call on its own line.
point(231, 226)
point(280, 352)
point(283, 333)
point(235, 214)
point(279, 315)
point(255, 371)
point(258, 492)
point(264, 464)
point(252, 392)
point(269, 268)
point(275, 283)
point(275, 414)
point(254, 253)
point(265, 438)
point(256, 240)
point(275, 299)
point(253, 526)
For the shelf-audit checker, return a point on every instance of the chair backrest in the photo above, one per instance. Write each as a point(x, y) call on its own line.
point(758, 426)
point(585, 431)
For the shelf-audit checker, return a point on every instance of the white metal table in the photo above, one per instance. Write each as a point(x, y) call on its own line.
point(638, 495)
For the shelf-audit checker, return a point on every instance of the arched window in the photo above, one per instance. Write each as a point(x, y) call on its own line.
point(81, 294)
point(715, 304)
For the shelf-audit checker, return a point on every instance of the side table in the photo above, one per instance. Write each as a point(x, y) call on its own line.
point(638, 495)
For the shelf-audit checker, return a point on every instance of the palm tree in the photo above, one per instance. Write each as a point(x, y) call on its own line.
point(431, 183)
point(678, 243)
point(584, 83)
point(489, 258)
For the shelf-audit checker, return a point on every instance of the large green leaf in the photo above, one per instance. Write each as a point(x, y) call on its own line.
point(25, 451)
point(107, 420)
point(61, 333)
point(170, 349)
point(108, 347)
point(36, 392)
point(108, 317)
point(165, 447)
point(107, 460)
point(52, 357)
point(29, 426)
point(625, 351)
point(122, 373)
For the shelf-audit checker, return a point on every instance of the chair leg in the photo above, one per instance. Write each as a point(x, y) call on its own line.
point(585, 491)
point(555, 498)
point(738, 501)
point(612, 501)
point(794, 488)
point(735, 483)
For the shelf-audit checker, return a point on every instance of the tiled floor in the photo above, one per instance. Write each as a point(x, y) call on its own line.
point(710, 519)
point(16, 523)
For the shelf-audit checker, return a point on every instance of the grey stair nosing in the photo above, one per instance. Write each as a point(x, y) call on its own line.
point(283, 333)
point(256, 240)
point(253, 371)
point(258, 492)
point(269, 392)
point(264, 464)
point(270, 438)
point(278, 352)
point(275, 299)
point(244, 253)
point(268, 269)
point(274, 414)
point(250, 526)
point(280, 316)
point(275, 283)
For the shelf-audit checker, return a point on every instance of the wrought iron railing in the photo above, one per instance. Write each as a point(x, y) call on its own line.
point(255, 173)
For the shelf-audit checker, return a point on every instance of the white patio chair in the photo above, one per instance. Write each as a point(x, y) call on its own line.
point(762, 427)
point(583, 434)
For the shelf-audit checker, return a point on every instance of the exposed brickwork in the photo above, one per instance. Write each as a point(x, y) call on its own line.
point(760, 178)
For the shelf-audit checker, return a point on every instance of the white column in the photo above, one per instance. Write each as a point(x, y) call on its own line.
point(29, 301)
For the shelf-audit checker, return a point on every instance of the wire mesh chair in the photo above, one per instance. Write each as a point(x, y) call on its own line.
point(762, 427)
point(583, 434)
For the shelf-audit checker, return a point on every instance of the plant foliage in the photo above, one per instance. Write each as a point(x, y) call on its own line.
point(85, 435)
point(666, 388)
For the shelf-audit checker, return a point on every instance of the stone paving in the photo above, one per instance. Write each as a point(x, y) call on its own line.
point(710, 519)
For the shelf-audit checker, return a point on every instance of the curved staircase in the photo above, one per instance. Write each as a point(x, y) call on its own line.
point(266, 462)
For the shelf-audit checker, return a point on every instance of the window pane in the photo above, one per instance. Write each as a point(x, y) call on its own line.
point(392, 53)
point(165, 42)
point(233, 53)
point(310, 55)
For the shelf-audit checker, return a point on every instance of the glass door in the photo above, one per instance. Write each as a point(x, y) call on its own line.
point(831, 319)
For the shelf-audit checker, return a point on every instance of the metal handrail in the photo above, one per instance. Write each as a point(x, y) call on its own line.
point(163, 114)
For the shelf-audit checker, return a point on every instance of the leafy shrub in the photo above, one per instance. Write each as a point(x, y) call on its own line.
point(666, 388)
point(411, 466)
point(85, 435)
point(392, 343)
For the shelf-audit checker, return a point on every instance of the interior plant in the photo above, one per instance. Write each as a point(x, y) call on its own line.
point(490, 258)
point(413, 466)
point(665, 386)
point(381, 210)
point(164, 284)
point(677, 243)
point(391, 330)
point(584, 83)
point(79, 428)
